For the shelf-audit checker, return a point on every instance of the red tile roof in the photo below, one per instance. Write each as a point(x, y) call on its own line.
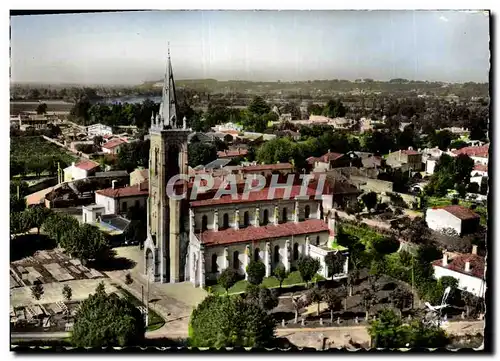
point(249, 234)
point(232, 153)
point(131, 191)
point(481, 151)
point(262, 167)
point(113, 143)
point(325, 158)
point(481, 167)
point(410, 152)
point(460, 212)
point(261, 195)
point(87, 165)
point(457, 264)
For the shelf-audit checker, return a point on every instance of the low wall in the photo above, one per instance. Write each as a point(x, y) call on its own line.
point(46, 183)
point(372, 185)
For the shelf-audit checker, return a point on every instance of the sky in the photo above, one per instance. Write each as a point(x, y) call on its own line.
point(131, 47)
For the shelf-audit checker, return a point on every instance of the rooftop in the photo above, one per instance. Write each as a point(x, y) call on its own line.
point(137, 190)
point(481, 151)
point(113, 143)
point(232, 153)
point(250, 234)
point(457, 264)
point(262, 167)
point(460, 212)
point(87, 165)
point(325, 158)
point(263, 195)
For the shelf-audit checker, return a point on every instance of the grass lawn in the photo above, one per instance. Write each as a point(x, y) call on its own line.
point(365, 234)
point(154, 320)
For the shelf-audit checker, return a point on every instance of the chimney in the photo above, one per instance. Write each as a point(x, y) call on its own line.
point(474, 249)
point(445, 259)
point(73, 164)
point(139, 186)
point(467, 266)
point(328, 150)
point(113, 184)
point(400, 155)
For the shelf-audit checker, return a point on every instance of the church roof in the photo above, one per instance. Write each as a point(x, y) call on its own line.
point(252, 234)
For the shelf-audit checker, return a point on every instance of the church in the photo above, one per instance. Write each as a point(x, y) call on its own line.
point(195, 240)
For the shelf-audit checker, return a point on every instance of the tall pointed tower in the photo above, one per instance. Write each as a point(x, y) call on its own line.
point(168, 157)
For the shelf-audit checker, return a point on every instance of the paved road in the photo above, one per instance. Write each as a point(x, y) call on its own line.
point(301, 337)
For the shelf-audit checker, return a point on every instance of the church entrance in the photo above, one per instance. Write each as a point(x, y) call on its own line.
point(150, 271)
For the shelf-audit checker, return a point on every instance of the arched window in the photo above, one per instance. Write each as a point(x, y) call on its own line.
point(246, 219)
point(256, 255)
point(317, 240)
point(285, 215)
point(276, 254)
point(307, 212)
point(265, 219)
point(225, 221)
point(295, 251)
point(204, 223)
point(236, 260)
point(214, 263)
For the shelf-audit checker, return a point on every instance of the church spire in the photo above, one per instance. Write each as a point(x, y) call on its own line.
point(168, 105)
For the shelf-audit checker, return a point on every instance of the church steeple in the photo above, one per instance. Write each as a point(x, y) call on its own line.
point(168, 105)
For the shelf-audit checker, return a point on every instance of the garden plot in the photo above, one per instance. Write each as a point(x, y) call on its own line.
point(58, 272)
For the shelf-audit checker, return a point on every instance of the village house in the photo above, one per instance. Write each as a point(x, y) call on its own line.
point(459, 218)
point(234, 153)
point(80, 170)
point(118, 200)
point(479, 155)
point(332, 160)
point(479, 174)
point(113, 146)
point(468, 269)
point(138, 175)
point(406, 159)
point(102, 130)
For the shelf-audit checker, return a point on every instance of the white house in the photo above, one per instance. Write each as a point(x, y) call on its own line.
point(478, 173)
point(113, 146)
point(92, 213)
point(99, 130)
point(461, 219)
point(117, 200)
point(80, 170)
point(479, 155)
point(468, 269)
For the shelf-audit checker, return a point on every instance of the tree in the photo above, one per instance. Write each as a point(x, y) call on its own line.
point(41, 108)
point(370, 200)
point(268, 299)
point(470, 300)
point(201, 153)
point(107, 320)
point(400, 297)
point(441, 139)
point(18, 223)
point(98, 140)
point(316, 296)
point(281, 274)
point(36, 216)
point(334, 109)
point(385, 245)
point(388, 331)
point(230, 322)
point(299, 303)
point(308, 267)
point(61, 227)
point(227, 279)
point(259, 106)
point(67, 293)
point(256, 271)
point(128, 279)
point(369, 300)
point(335, 263)
point(332, 299)
point(37, 290)
point(87, 243)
